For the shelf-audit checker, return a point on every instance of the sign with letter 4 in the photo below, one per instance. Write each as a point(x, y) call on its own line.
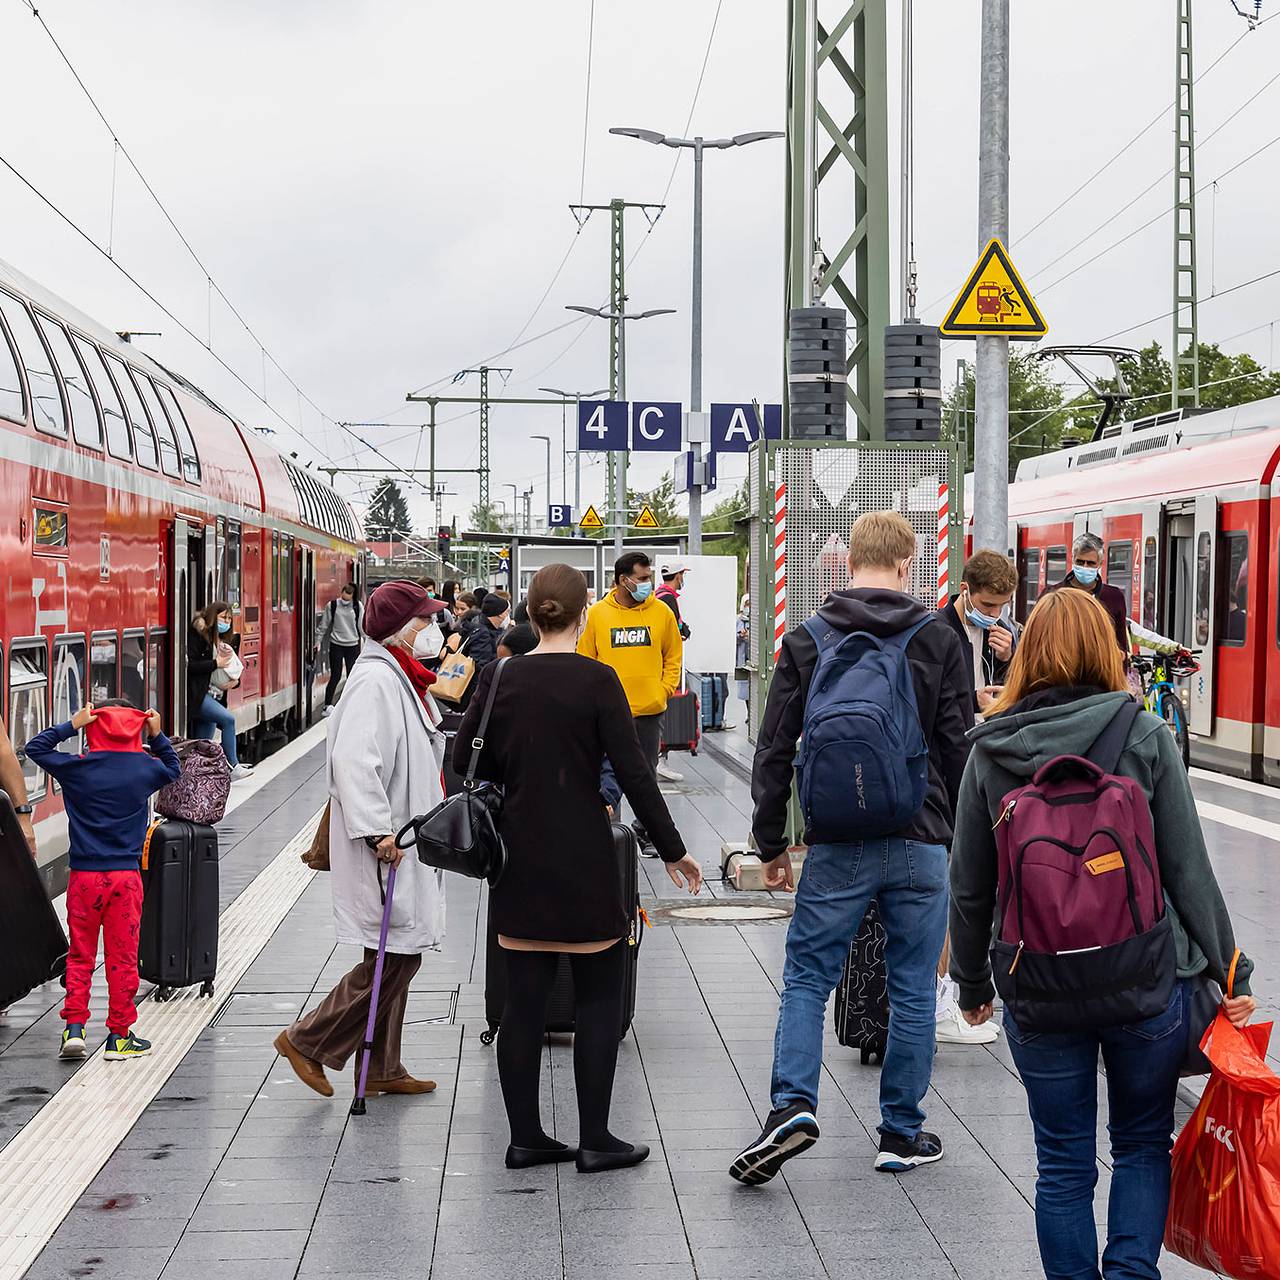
point(994, 301)
point(656, 427)
point(591, 519)
point(602, 426)
point(734, 427)
point(646, 519)
point(559, 516)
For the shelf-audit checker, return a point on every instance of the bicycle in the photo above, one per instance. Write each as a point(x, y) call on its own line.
point(1160, 695)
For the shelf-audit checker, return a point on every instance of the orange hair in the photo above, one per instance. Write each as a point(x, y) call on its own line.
point(1068, 640)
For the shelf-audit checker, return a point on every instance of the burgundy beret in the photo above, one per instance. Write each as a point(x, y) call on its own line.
point(393, 605)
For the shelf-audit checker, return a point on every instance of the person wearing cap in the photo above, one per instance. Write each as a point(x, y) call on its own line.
point(669, 593)
point(105, 790)
point(383, 759)
point(482, 645)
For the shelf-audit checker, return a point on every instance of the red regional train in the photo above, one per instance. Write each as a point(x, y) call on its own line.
point(1188, 509)
point(134, 500)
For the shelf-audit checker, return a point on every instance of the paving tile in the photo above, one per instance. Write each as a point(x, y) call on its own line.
point(57, 1263)
point(198, 1247)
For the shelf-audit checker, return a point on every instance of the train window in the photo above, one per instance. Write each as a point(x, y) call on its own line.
point(1204, 563)
point(1031, 577)
point(157, 668)
point(50, 529)
point(112, 410)
point(1149, 583)
point(13, 404)
point(104, 679)
point(144, 441)
point(1055, 565)
point(170, 456)
point(1233, 590)
point(1120, 572)
point(133, 668)
point(46, 399)
point(231, 567)
point(190, 458)
point(275, 569)
point(69, 656)
point(28, 707)
point(85, 424)
point(286, 571)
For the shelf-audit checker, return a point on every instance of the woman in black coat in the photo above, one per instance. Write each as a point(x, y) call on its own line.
point(556, 716)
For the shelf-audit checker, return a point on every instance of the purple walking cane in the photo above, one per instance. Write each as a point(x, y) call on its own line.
point(357, 1103)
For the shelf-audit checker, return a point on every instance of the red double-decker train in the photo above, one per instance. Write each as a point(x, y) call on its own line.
point(1188, 509)
point(133, 500)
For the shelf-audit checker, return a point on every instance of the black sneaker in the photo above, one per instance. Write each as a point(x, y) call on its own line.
point(901, 1155)
point(786, 1133)
point(120, 1048)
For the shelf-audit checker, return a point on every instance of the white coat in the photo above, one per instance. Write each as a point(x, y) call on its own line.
point(384, 752)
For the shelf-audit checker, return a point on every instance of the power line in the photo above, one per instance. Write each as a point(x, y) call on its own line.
point(586, 106)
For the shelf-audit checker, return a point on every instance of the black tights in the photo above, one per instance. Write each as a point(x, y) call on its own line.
point(597, 985)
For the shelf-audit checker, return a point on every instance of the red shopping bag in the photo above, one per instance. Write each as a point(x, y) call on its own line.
point(1224, 1210)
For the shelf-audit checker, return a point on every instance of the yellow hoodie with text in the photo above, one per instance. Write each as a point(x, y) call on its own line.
point(642, 644)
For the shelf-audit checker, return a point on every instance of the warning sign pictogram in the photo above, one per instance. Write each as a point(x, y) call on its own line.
point(646, 520)
point(591, 519)
point(994, 301)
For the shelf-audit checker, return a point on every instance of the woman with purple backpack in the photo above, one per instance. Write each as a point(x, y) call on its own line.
point(1077, 835)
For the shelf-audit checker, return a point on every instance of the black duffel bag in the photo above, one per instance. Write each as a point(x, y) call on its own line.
point(461, 835)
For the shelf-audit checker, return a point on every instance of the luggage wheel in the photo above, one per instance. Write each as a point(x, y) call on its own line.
point(488, 1035)
point(206, 987)
point(163, 993)
point(868, 1055)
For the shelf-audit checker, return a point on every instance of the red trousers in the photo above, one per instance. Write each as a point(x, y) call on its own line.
point(110, 901)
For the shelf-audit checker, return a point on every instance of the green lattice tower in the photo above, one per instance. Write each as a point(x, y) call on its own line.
point(1184, 359)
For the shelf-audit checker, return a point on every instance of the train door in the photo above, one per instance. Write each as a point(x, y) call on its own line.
point(1177, 611)
point(187, 594)
point(305, 621)
point(1203, 620)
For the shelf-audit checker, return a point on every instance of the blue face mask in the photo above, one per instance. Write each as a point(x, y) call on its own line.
point(984, 621)
point(641, 591)
point(1085, 575)
point(223, 627)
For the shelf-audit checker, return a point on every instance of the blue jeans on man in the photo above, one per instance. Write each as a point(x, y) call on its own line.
point(1060, 1073)
point(908, 879)
point(213, 716)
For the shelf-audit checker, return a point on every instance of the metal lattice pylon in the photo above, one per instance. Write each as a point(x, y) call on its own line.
point(1184, 359)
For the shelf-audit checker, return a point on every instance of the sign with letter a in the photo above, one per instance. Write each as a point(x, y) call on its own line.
point(734, 426)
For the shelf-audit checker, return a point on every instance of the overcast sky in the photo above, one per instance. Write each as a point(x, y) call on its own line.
point(381, 189)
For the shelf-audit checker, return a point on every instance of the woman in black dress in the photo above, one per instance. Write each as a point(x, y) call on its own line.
point(555, 718)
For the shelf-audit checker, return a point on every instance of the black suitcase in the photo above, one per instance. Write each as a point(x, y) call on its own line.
point(681, 725)
point(560, 1007)
point(178, 940)
point(33, 948)
point(862, 998)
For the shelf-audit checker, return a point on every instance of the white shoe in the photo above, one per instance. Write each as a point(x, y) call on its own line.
point(328, 711)
point(667, 773)
point(951, 1028)
point(241, 771)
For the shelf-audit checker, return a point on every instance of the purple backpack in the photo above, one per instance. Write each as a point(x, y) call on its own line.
point(199, 793)
point(1082, 937)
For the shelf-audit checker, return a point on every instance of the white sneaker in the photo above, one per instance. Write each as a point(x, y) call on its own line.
point(667, 773)
point(951, 1028)
point(241, 771)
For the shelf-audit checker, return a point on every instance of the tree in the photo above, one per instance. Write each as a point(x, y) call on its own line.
point(729, 515)
point(388, 516)
point(485, 519)
point(1225, 380)
point(661, 500)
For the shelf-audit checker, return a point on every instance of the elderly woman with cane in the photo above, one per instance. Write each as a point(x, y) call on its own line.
point(384, 754)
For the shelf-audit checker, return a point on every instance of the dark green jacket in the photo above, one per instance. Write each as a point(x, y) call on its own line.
point(1007, 751)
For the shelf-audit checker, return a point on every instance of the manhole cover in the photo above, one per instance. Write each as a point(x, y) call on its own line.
point(729, 913)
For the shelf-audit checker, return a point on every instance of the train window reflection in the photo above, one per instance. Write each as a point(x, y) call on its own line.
point(190, 458)
point(46, 399)
point(133, 668)
point(68, 687)
point(144, 443)
point(1204, 565)
point(13, 404)
point(1055, 565)
point(1120, 572)
point(1149, 583)
point(112, 409)
point(1031, 578)
point(85, 425)
point(104, 680)
point(231, 567)
point(170, 456)
point(28, 708)
point(1233, 592)
point(157, 668)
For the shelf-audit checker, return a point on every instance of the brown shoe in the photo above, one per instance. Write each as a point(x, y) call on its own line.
point(308, 1070)
point(404, 1084)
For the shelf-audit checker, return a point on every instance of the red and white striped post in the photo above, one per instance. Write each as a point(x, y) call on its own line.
point(779, 569)
point(944, 544)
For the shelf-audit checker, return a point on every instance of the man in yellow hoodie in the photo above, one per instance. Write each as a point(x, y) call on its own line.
point(632, 631)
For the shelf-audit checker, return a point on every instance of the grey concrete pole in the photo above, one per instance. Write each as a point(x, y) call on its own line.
point(695, 361)
point(991, 401)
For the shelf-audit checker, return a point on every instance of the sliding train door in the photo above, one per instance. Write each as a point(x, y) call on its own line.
point(1203, 620)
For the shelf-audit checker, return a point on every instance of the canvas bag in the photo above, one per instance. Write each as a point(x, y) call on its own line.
point(199, 793)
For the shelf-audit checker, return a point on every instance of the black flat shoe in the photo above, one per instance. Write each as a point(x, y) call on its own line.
point(599, 1161)
point(527, 1157)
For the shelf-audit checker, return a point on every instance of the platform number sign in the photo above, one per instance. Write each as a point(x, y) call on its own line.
point(559, 516)
point(602, 426)
point(656, 427)
point(734, 427)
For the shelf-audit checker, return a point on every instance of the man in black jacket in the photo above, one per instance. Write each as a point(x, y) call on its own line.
point(977, 616)
point(906, 873)
point(482, 646)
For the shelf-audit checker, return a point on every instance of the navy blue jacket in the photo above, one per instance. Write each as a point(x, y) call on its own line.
point(106, 794)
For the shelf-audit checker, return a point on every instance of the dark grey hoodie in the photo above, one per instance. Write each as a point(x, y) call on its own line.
point(1007, 751)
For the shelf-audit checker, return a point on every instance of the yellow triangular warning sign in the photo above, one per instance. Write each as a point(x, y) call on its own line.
point(994, 301)
point(645, 520)
point(591, 519)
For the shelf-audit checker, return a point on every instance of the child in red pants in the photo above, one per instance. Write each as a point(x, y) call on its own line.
point(105, 791)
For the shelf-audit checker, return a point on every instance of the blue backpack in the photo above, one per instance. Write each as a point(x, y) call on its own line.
point(863, 762)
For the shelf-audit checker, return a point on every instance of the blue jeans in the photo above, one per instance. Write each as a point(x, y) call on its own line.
point(212, 716)
point(1060, 1073)
point(909, 881)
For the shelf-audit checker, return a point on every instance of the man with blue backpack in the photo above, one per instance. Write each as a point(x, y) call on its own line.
point(877, 690)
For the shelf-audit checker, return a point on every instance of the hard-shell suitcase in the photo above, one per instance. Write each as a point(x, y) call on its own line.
point(680, 724)
point(560, 1007)
point(33, 948)
point(862, 998)
point(178, 940)
point(715, 694)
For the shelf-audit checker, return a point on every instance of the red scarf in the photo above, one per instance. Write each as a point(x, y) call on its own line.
point(419, 676)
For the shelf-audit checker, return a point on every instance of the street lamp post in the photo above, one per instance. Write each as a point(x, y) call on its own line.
point(618, 391)
point(515, 506)
point(577, 397)
point(547, 439)
point(698, 146)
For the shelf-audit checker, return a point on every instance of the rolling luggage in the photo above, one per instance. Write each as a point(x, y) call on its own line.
point(33, 948)
point(178, 940)
point(560, 1006)
point(680, 731)
point(715, 693)
point(862, 998)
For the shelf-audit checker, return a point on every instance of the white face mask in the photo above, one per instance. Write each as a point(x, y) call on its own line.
point(428, 643)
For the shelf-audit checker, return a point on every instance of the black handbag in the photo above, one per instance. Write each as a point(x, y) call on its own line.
point(461, 835)
point(1203, 1002)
